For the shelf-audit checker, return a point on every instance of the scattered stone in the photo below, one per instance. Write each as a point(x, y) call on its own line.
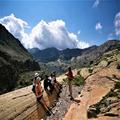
point(92, 113)
point(111, 115)
point(85, 72)
point(64, 102)
point(103, 63)
point(118, 66)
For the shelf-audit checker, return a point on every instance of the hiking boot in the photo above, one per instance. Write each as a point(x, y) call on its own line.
point(58, 95)
point(49, 108)
point(48, 113)
point(60, 86)
point(72, 98)
point(60, 91)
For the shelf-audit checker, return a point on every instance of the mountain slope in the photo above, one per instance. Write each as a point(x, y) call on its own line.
point(46, 55)
point(14, 59)
point(12, 46)
point(93, 56)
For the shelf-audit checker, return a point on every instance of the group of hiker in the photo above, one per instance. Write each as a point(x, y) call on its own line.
point(50, 84)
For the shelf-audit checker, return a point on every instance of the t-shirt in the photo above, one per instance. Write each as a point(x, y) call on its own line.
point(47, 82)
point(38, 78)
point(38, 90)
point(70, 75)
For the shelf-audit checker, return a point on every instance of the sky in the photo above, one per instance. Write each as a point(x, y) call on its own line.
point(61, 23)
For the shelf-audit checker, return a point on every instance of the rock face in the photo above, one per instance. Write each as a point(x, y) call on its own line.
point(21, 104)
point(100, 95)
point(14, 59)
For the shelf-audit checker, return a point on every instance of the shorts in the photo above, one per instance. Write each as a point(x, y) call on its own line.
point(39, 98)
point(69, 81)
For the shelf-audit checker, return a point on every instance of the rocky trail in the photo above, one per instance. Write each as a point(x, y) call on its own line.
point(64, 102)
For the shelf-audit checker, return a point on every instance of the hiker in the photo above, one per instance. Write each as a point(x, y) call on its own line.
point(34, 81)
point(70, 78)
point(58, 84)
point(55, 84)
point(48, 85)
point(39, 95)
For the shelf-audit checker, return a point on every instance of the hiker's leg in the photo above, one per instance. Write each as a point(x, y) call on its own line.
point(51, 88)
point(47, 109)
point(58, 85)
point(70, 88)
point(56, 88)
point(47, 91)
point(44, 103)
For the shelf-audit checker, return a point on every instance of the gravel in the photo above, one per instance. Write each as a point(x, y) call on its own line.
point(64, 102)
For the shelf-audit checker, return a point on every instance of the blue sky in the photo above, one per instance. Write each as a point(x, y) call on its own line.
point(92, 21)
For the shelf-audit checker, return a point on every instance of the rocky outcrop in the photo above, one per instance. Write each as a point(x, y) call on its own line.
point(100, 95)
point(21, 104)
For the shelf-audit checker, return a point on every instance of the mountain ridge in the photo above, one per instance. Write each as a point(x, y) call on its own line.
point(53, 54)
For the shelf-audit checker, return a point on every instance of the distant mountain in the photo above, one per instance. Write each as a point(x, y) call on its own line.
point(46, 55)
point(53, 54)
point(14, 59)
point(91, 53)
point(59, 60)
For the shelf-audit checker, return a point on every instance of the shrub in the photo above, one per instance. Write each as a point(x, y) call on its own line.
point(64, 81)
point(117, 85)
point(90, 70)
point(78, 80)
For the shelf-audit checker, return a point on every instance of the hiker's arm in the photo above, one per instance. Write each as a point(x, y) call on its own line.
point(66, 74)
point(36, 92)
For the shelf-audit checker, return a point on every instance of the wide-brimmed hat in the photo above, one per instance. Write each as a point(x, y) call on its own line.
point(36, 74)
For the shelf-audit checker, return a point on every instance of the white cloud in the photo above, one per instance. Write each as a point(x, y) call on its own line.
point(110, 36)
point(98, 26)
point(54, 34)
point(117, 24)
point(15, 26)
point(78, 32)
point(96, 3)
point(43, 35)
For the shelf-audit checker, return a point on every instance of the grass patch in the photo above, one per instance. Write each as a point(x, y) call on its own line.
point(90, 70)
point(112, 94)
point(78, 80)
point(117, 85)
